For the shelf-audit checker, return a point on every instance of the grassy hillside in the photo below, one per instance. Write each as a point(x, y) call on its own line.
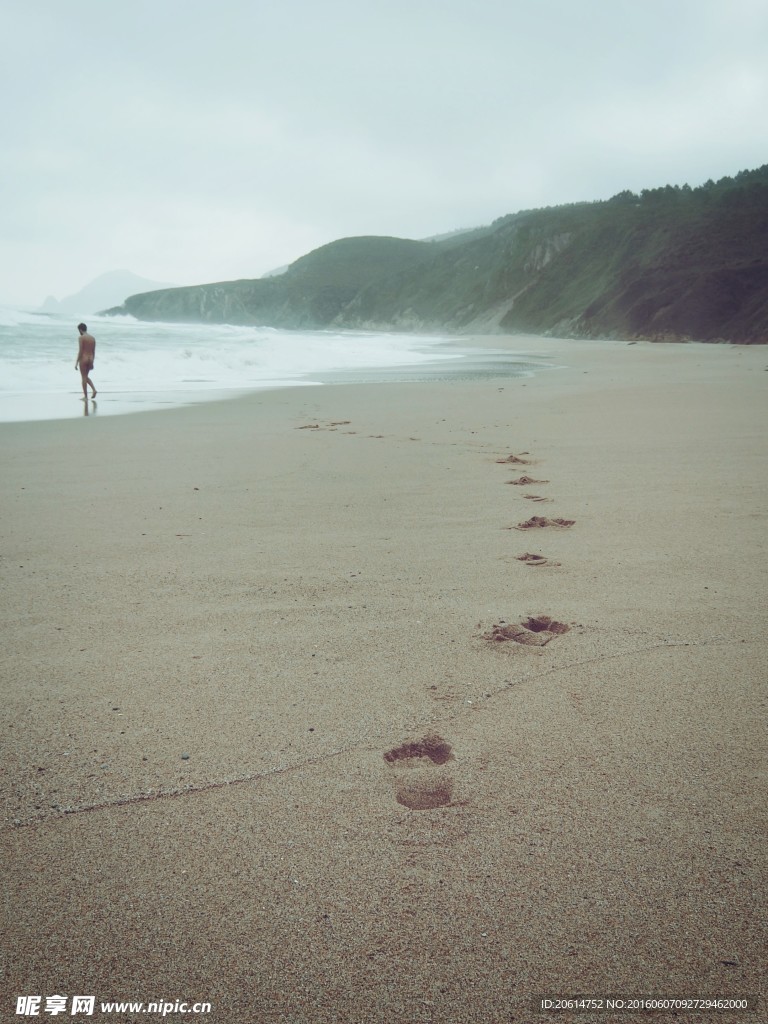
point(311, 293)
point(672, 262)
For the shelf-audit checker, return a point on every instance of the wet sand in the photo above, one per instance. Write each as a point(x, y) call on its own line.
point(301, 719)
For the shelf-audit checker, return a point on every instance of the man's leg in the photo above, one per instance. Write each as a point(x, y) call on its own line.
point(85, 375)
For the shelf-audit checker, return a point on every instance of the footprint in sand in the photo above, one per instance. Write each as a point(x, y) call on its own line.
point(526, 481)
point(536, 497)
point(536, 631)
point(332, 425)
point(422, 780)
point(517, 460)
point(530, 559)
point(540, 522)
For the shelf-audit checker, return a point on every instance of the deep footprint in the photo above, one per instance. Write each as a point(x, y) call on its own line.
point(531, 559)
point(536, 631)
point(541, 521)
point(516, 459)
point(430, 746)
point(422, 782)
point(525, 481)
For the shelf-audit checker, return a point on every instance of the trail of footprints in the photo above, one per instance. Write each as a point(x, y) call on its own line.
point(538, 630)
point(420, 768)
point(535, 522)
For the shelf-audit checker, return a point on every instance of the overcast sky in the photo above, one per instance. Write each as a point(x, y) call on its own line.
point(193, 141)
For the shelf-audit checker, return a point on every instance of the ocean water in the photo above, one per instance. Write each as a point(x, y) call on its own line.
point(143, 366)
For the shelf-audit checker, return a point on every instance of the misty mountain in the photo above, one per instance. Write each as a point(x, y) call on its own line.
point(670, 263)
point(108, 289)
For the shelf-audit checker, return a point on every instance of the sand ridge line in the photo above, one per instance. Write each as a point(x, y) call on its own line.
point(663, 645)
point(419, 725)
point(168, 794)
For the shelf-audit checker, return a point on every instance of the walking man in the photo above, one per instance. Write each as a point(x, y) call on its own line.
point(86, 357)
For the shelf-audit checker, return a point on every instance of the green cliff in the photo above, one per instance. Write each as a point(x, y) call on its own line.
point(670, 263)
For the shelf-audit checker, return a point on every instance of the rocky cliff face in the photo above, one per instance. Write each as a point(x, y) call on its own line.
point(545, 252)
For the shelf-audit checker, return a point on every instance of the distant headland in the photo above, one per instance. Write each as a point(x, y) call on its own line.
point(668, 264)
point(108, 289)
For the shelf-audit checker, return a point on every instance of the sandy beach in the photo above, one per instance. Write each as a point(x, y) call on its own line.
point(300, 720)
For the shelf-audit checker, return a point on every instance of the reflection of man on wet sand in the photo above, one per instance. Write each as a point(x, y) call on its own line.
point(85, 358)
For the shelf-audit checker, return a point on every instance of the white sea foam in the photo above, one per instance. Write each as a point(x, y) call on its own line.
point(180, 362)
point(153, 365)
point(14, 317)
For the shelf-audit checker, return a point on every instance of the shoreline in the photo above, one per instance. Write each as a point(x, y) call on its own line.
point(466, 361)
point(463, 358)
point(467, 358)
point(227, 624)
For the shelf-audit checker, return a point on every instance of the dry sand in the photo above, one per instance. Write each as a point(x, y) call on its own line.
point(219, 623)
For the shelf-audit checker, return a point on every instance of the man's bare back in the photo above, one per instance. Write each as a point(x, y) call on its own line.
point(86, 357)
